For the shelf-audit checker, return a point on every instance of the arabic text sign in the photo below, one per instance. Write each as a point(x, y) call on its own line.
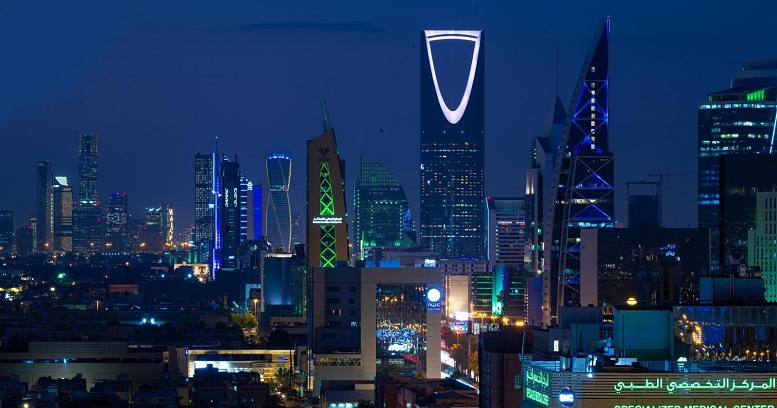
point(724, 385)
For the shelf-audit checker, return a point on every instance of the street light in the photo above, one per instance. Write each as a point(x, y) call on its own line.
point(256, 310)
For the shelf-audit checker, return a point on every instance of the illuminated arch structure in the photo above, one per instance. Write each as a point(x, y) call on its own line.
point(583, 181)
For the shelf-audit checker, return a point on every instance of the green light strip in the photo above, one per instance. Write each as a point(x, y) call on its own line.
point(328, 247)
point(326, 202)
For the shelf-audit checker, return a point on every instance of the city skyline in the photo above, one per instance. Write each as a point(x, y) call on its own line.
point(84, 95)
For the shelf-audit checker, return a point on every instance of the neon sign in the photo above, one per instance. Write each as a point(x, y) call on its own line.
point(327, 220)
point(722, 384)
point(538, 378)
point(537, 396)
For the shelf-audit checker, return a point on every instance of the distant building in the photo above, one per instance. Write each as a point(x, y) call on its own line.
point(24, 240)
point(6, 232)
point(742, 177)
point(453, 150)
point(737, 120)
point(643, 204)
point(652, 265)
point(506, 254)
point(117, 223)
point(87, 227)
point(158, 232)
point(297, 236)
point(230, 202)
point(205, 201)
point(88, 174)
point(284, 283)
point(499, 361)
point(44, 237)
point(762, 243)
point(279, 222)
point(327, 228)
point(87, 211)
point(62, 196)
point(381, 211)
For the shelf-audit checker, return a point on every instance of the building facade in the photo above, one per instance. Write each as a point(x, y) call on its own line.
point(62, 196)
point(6, 232)
point(44, 210)
point(205, 201)
point(278, 232)
point(453, 150)
point(360, 317)
point(582, 195)
point(327, 226)
point(230, 203)
point(762, 243)
point(382, 214)
point(117, 223)
point(737, 120)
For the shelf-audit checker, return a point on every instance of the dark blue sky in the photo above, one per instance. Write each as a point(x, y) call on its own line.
point(157, 81)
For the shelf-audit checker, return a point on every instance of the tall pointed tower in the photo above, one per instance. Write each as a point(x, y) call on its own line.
point(582, 194)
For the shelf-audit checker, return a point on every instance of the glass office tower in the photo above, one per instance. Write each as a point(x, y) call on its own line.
point(737, 120)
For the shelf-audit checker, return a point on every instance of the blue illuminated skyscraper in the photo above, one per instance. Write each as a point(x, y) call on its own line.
point(582, 194)
point(452, 146)
point(278, 232)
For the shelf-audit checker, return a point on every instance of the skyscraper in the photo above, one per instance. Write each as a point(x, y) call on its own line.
point(88, 191)
point(117, 223)
point(762, 242)
point(382, 214)
point(62, 196)
point(230, 204)
point(452, 147)
point(87, 212)
point(158, 228)
point(44, 207)
point(6, 232)
point(539, 183)
point(278, 207)
point(737, 120)
point(582, 194)
point(327, 226)
point(205, 194)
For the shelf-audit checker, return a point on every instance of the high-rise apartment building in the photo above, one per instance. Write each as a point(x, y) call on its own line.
point(327, 227)
point(382, 214)
point(62, 196)
point(737, 120)
point(506, 255)
point(452, 147)
point(44, 207)
point(117, 223)
point(582, 193)
point(278, 232)
point(6, 232)
point(24, 240)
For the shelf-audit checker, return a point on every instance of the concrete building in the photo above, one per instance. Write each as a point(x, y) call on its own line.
point(363, 319)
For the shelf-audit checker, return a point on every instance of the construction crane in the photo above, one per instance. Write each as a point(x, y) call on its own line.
point(661, 176)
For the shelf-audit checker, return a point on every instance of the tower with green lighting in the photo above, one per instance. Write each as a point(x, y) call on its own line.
point(327, 227)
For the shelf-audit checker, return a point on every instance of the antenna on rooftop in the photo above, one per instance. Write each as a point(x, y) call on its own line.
point(325, 114)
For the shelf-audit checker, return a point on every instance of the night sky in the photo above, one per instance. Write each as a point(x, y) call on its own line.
point(158, 81)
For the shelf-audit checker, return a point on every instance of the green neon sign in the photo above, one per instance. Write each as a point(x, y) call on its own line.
point(759, 95)
point(537, 378)
point(721, 384)
point(538, 397)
